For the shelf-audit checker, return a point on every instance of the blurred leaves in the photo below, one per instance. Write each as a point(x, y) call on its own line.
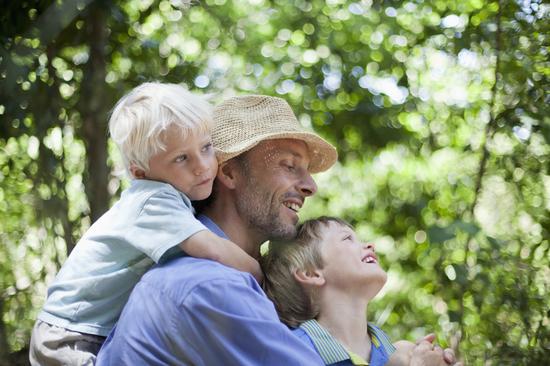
point(439, 110)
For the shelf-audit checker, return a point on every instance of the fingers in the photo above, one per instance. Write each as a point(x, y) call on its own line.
point(423, 346)
point(449, 356)
point(430, 338)
point(426, 354)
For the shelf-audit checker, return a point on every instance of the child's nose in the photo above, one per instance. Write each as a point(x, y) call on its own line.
point(201, 166)
point(371, 246)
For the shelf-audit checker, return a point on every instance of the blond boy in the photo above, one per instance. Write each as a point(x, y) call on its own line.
point(321, 283)
point(163, 134)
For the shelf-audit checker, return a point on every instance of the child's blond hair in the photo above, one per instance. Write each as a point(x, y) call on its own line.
point(294, 303)
point(140, 117)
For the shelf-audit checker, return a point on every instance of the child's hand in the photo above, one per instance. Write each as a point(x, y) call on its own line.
point(448, 353)
point(402, 354)
point(257, 272)
point(426, 354)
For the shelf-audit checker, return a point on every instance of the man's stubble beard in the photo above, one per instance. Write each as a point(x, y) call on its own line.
point(256, 207)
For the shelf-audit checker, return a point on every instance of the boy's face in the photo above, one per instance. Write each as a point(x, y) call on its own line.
point(189, 164)
point(350, 264)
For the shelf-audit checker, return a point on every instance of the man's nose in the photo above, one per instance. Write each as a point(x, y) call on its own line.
point(307, 185)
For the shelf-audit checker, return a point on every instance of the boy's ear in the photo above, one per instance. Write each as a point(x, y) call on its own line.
point(310, 277)
point(227, 174)
point(137, 173)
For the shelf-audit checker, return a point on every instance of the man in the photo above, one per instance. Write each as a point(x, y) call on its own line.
point(196, 311)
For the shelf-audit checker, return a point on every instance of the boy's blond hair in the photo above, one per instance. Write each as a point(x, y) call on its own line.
point(294, 303)
point(140, 117)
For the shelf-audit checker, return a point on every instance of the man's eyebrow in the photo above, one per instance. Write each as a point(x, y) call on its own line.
point(293, 153)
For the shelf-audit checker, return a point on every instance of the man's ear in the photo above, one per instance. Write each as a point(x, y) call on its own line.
point(136, 172)
point(313, 277)
point(227, 174)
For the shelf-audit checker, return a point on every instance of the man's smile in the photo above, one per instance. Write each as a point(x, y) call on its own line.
point(293, 206)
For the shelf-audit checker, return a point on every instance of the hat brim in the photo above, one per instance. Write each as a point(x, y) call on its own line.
point(322, 154)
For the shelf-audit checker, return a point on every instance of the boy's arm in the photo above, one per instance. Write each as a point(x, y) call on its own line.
point(207, 245)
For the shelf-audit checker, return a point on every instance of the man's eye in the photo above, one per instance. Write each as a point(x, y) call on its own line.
point(181, 158)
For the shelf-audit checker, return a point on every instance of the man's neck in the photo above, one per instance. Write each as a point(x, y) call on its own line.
point(345, 317)
point(227, 218)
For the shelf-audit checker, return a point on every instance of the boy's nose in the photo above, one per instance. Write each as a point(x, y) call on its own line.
point(201, 166)
point(371, 246)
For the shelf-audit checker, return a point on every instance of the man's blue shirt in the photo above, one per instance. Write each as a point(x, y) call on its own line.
point(200, 312)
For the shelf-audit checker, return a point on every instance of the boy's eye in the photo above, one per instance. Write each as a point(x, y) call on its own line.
point(207, 147)
point(181, 158)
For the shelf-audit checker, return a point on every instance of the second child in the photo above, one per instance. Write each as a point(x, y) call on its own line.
point(321, 283)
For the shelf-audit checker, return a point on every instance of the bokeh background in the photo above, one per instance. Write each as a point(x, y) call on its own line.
point(439, 109)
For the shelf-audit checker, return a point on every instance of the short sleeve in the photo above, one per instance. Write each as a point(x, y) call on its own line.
point(164, 221)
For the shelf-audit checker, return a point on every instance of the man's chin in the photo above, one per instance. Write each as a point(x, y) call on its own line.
point(282, 231)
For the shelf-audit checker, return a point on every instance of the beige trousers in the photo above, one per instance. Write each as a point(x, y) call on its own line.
point(56, 346)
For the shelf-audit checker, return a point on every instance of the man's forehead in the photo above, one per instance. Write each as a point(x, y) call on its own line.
point(294, 147)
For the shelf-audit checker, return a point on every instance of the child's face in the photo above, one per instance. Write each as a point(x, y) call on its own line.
point(349, 263)
point(189, 164)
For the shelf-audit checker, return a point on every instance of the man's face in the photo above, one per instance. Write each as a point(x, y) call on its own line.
point(275, 183)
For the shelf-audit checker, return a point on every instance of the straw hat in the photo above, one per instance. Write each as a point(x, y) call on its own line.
point(240, 123)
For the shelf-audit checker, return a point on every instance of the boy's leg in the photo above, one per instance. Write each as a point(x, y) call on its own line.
point(53, 346)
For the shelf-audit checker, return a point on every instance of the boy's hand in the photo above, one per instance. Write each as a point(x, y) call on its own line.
point(426, 354)
point(448, 353)
point(402, 354)
point(257, 272)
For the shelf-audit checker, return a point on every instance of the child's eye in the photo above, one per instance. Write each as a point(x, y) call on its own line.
point(181, 158)
point(348, 237)
point(207, 147)
point(290, 168)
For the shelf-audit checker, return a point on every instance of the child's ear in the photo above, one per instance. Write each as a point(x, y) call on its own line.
point(137, 172)
point(310, 277)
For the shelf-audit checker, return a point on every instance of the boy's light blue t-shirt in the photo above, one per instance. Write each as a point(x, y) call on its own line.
point(95, 282)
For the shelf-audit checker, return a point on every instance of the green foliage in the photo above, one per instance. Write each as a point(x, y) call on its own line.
point(438, 110)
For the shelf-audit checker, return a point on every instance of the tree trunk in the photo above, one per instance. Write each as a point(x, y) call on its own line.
point(4, 349)
point(94, 111)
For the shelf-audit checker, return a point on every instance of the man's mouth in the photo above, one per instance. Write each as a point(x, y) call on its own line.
point(293, 206)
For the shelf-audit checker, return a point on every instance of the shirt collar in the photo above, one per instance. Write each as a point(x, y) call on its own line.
point(331, 351)
point(212, 226)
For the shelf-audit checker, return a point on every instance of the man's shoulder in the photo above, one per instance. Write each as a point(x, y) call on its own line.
point(180, 276)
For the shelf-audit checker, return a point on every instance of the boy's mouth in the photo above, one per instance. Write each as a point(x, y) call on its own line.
point(207, 180)
point(370, 258)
